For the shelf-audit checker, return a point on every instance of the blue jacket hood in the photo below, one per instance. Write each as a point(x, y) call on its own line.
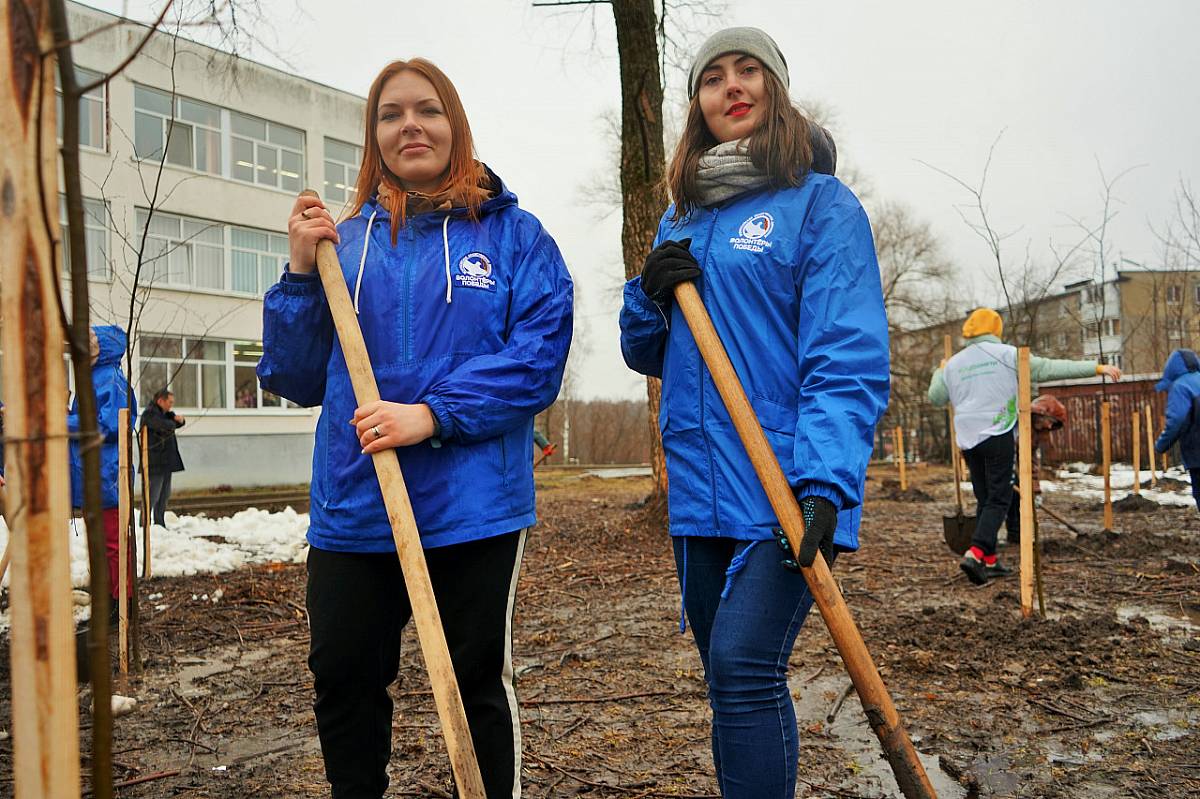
point(112, 344)
point(1179, 363)
point(501, 197)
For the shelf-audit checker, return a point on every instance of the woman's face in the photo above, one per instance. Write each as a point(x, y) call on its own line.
point(413, 132)
point(732, 96)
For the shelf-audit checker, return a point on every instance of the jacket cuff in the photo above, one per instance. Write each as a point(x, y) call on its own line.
point(441, 417)
point(299, 284)
point(820, 490)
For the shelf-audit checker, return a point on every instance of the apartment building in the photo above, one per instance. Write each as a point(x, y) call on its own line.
point(236, 141)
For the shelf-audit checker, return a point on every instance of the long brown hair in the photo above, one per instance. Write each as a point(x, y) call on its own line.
point(778, 145)
point(463, 173)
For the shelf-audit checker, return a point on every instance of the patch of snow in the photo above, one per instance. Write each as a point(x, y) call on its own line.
point(196, 545)
point(1074, 479)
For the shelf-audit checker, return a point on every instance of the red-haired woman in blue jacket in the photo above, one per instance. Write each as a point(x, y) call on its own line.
point(784, 260)
point(465, 306)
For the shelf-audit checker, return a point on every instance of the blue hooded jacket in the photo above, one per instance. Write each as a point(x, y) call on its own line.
point(1181, 381)
point(791, 282)
point(471, 318)
point(112, 391)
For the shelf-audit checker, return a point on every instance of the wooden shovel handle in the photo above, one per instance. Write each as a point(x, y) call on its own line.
point(880, 710)
point(405, 534)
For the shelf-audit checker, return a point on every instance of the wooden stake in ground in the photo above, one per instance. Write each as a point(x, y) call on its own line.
point(45, 728)
point(898, 449)
point(881, 712)
point(1025, 477)
point(1106, 454)
point(1150, 445)
point(404, 531)
point(955, 455)
point(1137, 452)
point(144, 439)
point(124, 505)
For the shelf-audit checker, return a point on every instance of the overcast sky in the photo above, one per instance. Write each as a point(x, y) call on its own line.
point(1073, 84)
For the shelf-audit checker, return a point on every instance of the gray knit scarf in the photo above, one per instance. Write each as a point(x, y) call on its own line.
point(726, 171)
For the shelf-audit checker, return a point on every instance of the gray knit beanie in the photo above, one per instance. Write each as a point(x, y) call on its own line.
point(751, 41)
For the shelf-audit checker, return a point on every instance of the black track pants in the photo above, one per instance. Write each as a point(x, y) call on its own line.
point(357, 607)
point(991, 465)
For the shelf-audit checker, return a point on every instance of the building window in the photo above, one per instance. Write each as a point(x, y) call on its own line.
point(247, 393)
point(1196, 291)
point(1114, 360)
point(184, 252)
point(92, 122)
point(189, 129)
point(1174, 294)
point(192, 368)
point(267, 153)
point(1112, 327)
point(199, 371)
point(257, 259)
point(1062, 339)
point(1095, 294)
point(95, 232)
point(341, 170)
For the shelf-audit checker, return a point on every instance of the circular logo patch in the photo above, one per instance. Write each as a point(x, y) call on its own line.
point(475, 264)
point(757, 226)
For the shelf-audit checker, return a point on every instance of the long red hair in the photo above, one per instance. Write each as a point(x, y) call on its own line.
point(463, 174)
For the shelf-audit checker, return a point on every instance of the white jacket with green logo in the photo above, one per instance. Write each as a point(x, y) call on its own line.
point(980, 381)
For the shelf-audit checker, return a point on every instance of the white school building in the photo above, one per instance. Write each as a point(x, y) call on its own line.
point(241, 140)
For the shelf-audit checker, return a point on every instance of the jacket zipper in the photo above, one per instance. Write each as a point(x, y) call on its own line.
point(406, 292)
point(702, 370)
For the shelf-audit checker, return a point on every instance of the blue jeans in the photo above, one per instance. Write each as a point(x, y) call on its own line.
point(745, 626)
point(1195, 475)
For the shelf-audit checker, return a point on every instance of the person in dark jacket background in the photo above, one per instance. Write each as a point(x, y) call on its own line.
point(1181, 381)
point(465, 306)
point(162, 422)
point(112, 394)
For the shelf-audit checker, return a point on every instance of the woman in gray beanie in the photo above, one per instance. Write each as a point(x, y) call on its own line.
point(783, 257)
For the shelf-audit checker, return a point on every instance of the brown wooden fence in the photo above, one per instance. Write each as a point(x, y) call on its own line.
point(1079, 439)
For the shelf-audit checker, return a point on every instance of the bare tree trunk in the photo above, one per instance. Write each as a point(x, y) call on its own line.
point(97, 646)
point(44, 717)
point(643, 165)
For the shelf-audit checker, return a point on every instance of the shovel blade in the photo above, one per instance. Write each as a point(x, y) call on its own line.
point(958, 530)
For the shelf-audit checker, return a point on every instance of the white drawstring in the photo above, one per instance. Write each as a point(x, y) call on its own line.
point(363, 260)
point(367, 243)
point(446, 252)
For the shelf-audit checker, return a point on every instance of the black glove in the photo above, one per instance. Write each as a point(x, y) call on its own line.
point(667, 265)
point(820, 522)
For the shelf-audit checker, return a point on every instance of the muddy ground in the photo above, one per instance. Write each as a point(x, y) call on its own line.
point(1099, 699)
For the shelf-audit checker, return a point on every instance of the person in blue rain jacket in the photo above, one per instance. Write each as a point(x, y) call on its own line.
point(1181, 381)
point(784, 260)
point(465, 305)
point(112, 394)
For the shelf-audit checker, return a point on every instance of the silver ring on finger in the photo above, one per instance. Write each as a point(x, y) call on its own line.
point(375, 430)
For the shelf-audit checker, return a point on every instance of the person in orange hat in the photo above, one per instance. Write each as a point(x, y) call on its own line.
point(980, 381)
